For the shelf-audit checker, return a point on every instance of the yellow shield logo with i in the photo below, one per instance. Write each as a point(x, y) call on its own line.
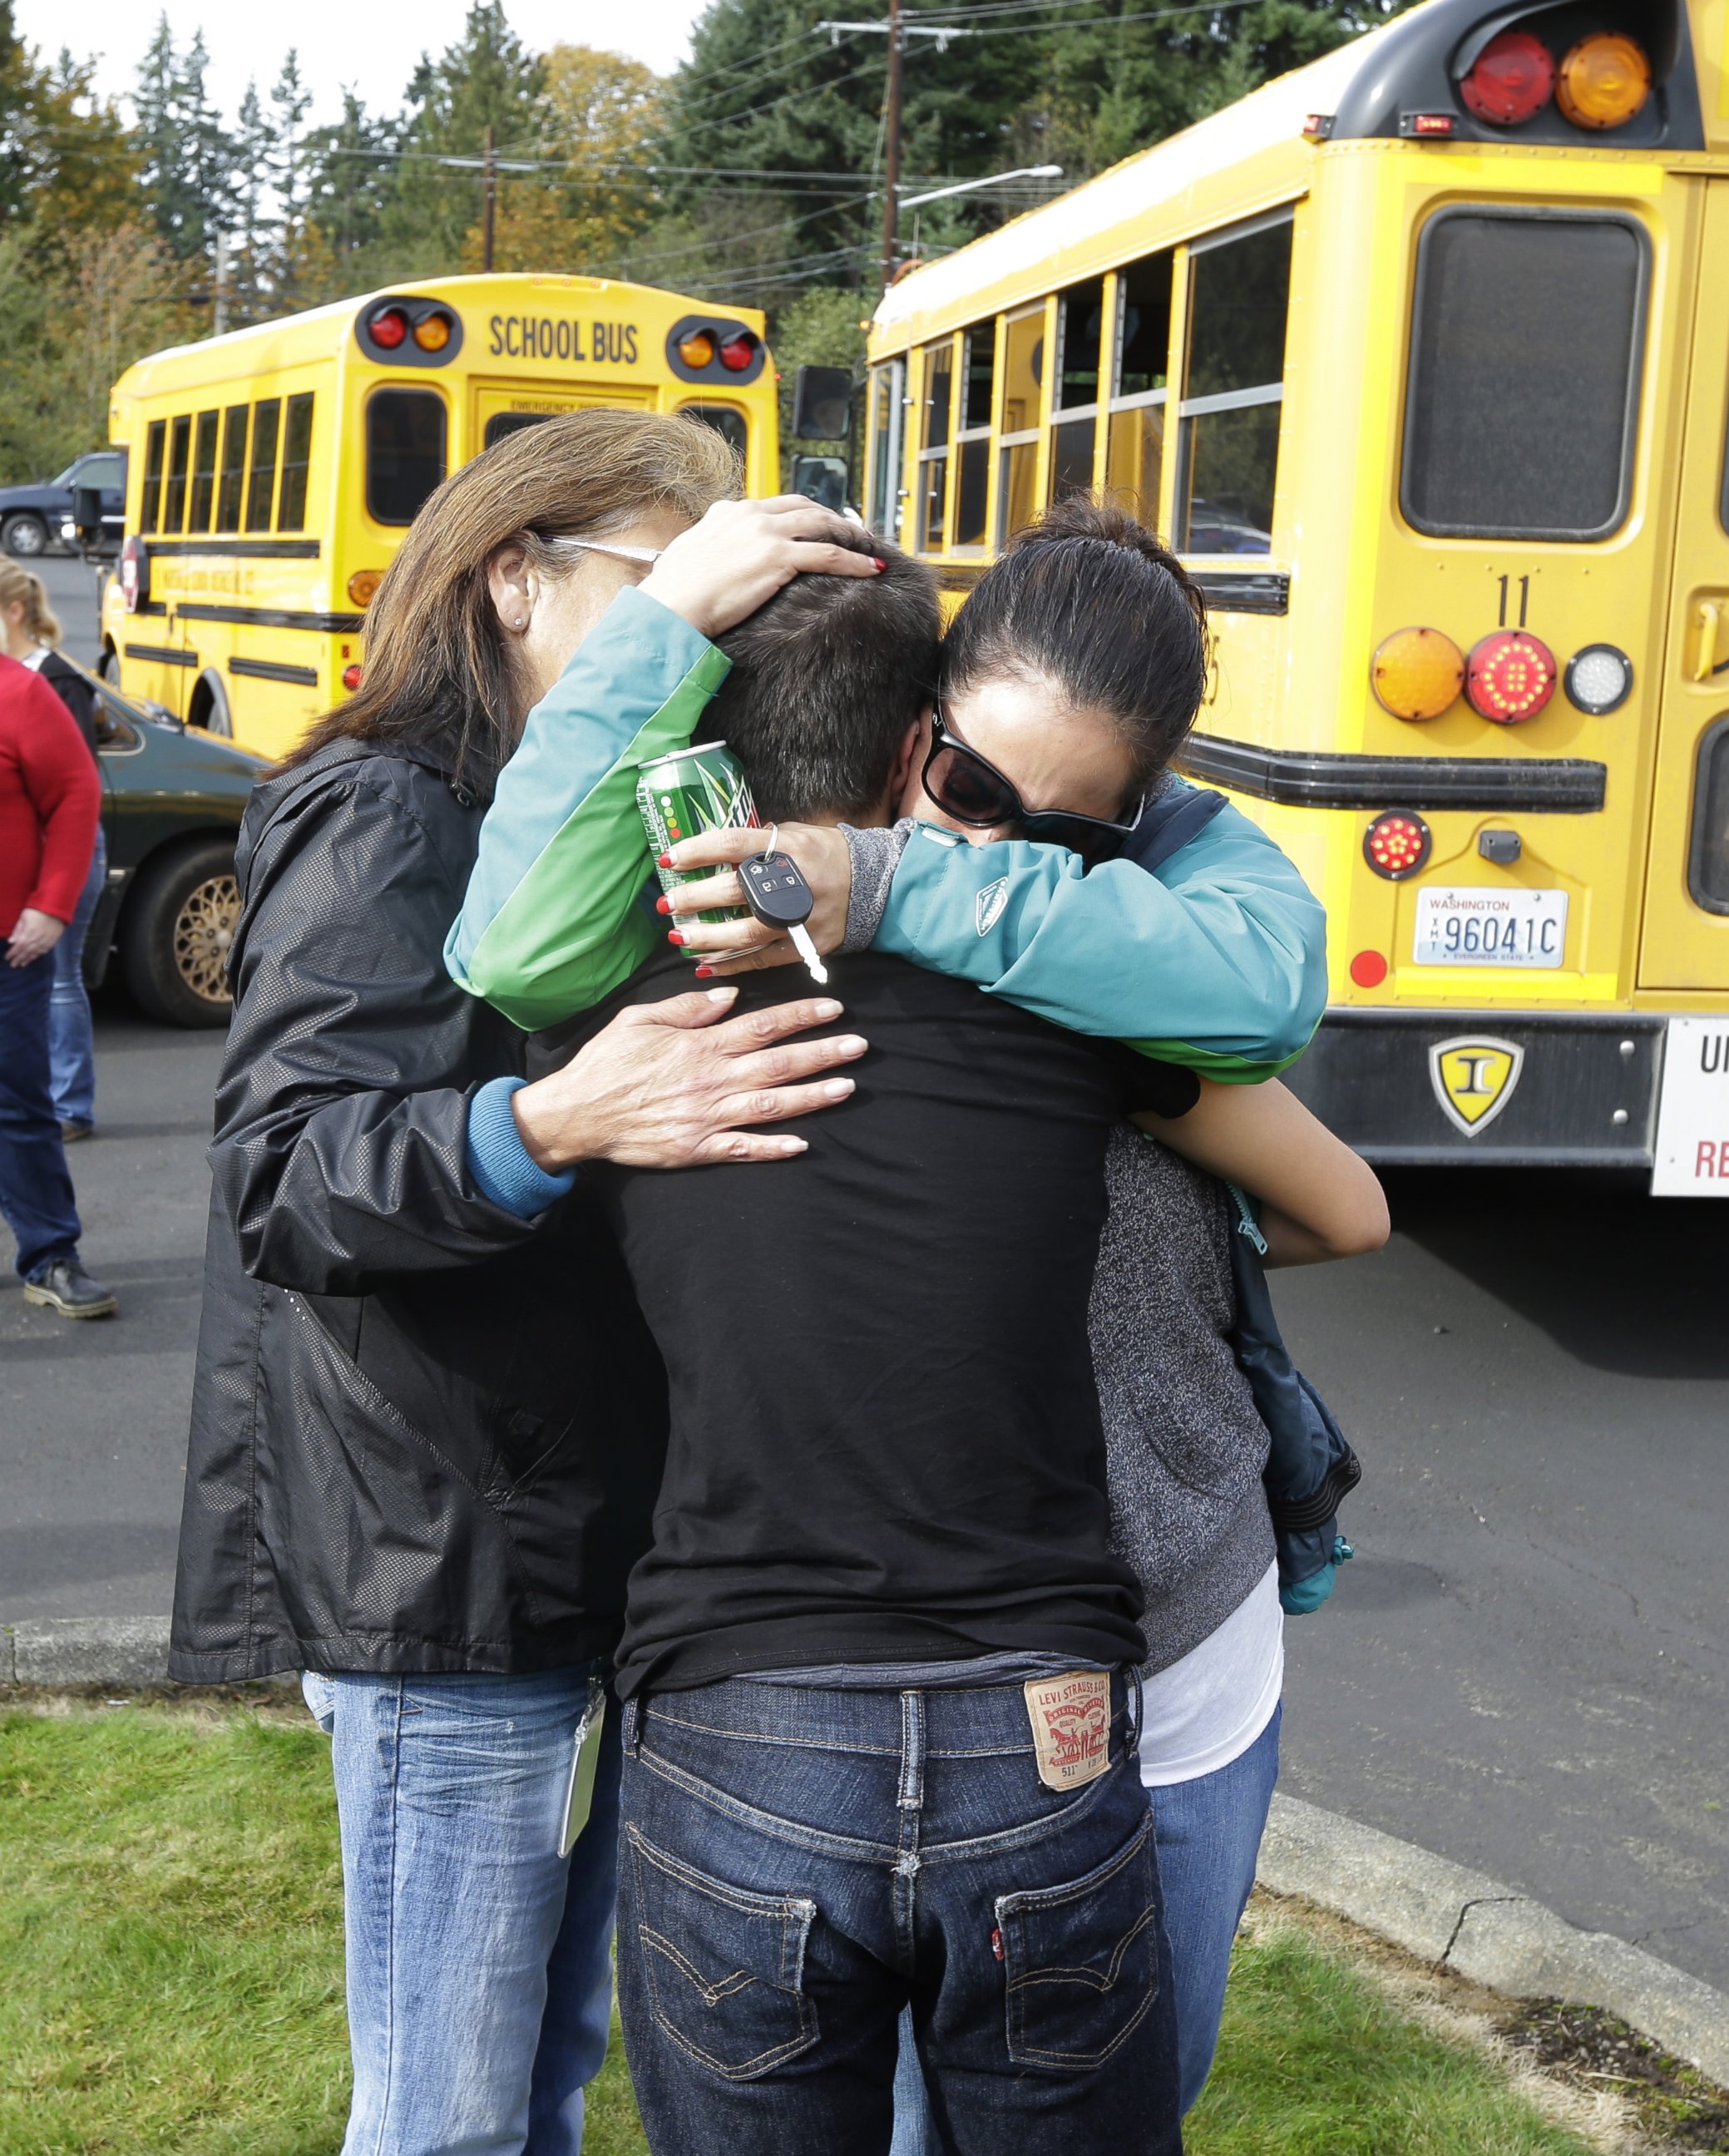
point(1474, 1079)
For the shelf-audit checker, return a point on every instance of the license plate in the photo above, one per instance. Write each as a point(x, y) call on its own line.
point(1469, 926)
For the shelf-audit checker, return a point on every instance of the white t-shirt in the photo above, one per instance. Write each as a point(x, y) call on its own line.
point(1207, 1709)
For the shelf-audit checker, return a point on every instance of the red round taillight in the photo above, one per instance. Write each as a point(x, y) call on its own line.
point(350, 677)
point(1396, 845)
point(1368, 969)
point(1509, 676)
point(738, 351)
point(389, 328)
point(1511, 79)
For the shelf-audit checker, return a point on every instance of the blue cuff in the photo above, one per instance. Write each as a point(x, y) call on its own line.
point(499, 1161)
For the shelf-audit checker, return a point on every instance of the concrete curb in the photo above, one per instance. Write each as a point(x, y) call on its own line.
point(1489, 1932)
point(1437, 1910)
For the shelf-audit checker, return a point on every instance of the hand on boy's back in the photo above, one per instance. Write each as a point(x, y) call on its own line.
point(820, 852)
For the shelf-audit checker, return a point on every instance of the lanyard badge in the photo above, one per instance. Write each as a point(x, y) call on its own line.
point(585, 1759)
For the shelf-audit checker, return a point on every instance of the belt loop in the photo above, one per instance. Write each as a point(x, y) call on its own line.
point(910, 1795)
point(1133, 1707)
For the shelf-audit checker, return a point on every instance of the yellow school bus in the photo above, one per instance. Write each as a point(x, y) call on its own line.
point(272, 472)
point(1420, 355)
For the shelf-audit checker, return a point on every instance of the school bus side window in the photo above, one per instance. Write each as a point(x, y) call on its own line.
point(150, 508)
point(1134, 452)
point(261, 481)
point(230, 493)
point(179, 456)
point(203, 473)
point(1080, 330)
point(1017, 444)
point(972, 438)
point(888, 390)
point(1232, 391)
point(933, 442)
point(405, 451)
point(1526, 332)
point(296, 456)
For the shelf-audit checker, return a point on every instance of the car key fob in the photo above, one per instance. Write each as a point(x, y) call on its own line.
point(779, 896)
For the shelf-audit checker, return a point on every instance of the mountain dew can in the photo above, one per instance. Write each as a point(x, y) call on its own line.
point(700, 788)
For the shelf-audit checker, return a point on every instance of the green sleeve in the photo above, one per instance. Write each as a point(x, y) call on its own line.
point(551, 923)
point(1216, 959)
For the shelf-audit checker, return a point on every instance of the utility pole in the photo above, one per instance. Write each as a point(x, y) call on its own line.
point(489, 199)
point(891, 152)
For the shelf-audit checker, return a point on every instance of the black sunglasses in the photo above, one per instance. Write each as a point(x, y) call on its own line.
point(965, 786)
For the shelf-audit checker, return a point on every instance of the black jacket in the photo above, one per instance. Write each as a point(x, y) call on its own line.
point(426, 1435)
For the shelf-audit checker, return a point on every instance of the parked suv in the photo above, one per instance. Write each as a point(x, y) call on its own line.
point(171, 803)
point(30, 516)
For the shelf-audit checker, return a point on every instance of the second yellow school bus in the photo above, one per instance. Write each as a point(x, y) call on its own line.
point(272, 472)
point(1420, 354)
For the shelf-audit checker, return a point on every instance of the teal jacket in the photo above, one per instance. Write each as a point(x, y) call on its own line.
point(1216, 960)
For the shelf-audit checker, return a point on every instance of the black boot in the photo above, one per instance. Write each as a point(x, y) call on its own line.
point(65, 1286)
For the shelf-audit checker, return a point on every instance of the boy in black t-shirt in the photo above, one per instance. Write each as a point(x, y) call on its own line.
point(879, 1743)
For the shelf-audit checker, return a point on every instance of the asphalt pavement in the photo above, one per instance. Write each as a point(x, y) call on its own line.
point(1525, 1669)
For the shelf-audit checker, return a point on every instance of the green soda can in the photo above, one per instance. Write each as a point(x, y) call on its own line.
point(700, 788)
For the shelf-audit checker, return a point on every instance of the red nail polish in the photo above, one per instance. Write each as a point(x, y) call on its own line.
point(674, 936)
point(662, 906)
point(703, 971)
point(663, 861)
point(881, 565)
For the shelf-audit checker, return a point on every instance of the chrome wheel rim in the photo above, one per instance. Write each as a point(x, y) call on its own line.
point(203, 933)
point(27, 537)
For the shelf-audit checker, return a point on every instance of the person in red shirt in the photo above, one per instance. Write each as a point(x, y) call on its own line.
point(50, 803)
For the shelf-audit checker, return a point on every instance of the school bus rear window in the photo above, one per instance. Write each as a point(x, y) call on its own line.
point(405, 451)
point(1526, 339)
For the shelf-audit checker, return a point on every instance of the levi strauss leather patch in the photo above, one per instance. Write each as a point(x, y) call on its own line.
point(1070, 1717)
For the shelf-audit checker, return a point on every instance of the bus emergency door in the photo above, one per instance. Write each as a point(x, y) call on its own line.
point(501, 407)
point(1685, 940)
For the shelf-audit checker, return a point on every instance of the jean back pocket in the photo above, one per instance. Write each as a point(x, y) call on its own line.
point(723, 1967)
point(1081, 1959)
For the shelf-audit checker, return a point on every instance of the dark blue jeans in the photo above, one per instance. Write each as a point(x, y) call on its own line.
point(35, 1190)
point(798, 1864)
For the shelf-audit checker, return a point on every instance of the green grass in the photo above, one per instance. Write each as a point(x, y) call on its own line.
point(171, 1974)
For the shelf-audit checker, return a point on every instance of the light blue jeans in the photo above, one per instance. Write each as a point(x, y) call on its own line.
point(1208, 1833)
point(71, 1044)
point(479, 1972)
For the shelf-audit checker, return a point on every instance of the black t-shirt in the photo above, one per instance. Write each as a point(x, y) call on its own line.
point(75, 693)
point(885, 1443)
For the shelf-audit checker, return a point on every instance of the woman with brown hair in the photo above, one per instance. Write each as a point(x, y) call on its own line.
point(427, 1418)
point(31, 634)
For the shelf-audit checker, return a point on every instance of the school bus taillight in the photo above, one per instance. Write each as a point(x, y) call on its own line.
point(1509, 676)
point(432, 332)
point(1510, 80)
point(1396, 845)
point(1417, 673)
point(350, 677)
point(738, 351)
point(1604, 80)
point(362, 585)
point(698, 350)
point(388, 328)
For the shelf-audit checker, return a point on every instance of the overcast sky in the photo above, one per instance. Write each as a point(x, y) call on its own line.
point(372, 45)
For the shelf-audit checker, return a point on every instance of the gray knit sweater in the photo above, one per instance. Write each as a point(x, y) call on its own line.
point(1185, 1447)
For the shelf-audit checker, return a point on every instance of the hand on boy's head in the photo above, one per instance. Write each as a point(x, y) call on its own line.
point(739, 554)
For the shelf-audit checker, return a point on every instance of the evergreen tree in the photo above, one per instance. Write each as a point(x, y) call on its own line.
point(188, 159)
point(488, 77)
point(351, 180)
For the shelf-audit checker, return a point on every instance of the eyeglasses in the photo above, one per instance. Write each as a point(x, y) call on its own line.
point(964, 785)
point(563, 545)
